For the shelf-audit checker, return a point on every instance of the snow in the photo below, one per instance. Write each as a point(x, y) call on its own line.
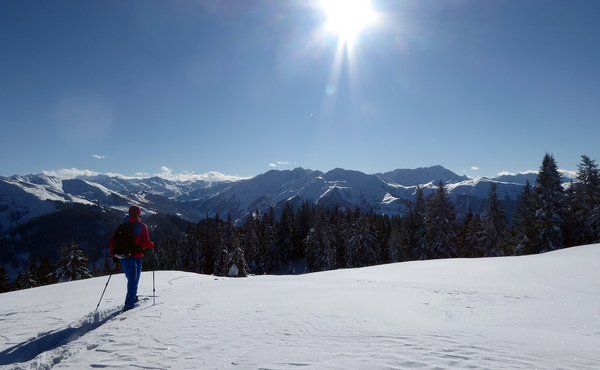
point(526, 312)
point(388, 198)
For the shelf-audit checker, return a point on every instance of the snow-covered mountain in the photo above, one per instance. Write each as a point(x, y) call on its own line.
point(25, 197)
point(527, 312)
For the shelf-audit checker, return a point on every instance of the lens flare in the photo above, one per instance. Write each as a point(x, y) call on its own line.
point(347, 18)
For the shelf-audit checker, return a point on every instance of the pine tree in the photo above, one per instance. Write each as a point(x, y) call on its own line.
point(236, 259)
point(495, 236)
point(268, 251)
point(525, 222)
point(44, 272)
point(396, 243)
point(233, 262)
point(469, 236)
point(73, 264)
point(285, 235)
point(474, 238)
point(442, 225)
point(584, 203)
point(417, 226)
point(320, 245)
point(550, 207)
point(251, 242)
point(5, 285)
point(27, 278)
point(361, 243)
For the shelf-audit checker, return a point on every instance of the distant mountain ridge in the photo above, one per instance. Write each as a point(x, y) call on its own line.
point(25, 197)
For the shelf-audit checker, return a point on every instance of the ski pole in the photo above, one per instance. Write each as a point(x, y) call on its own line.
point(153, 269)
point(108, 281)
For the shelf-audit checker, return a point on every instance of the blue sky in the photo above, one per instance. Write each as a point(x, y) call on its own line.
point(242, 87)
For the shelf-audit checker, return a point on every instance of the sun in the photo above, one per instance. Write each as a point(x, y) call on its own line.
point(347, 18)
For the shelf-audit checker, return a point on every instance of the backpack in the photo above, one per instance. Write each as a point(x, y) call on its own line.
point(124, 241)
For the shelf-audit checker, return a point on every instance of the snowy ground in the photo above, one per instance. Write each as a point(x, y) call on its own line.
point(515, 312)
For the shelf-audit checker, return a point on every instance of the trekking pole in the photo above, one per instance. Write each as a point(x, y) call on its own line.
point(108, 281)
point(153, 268)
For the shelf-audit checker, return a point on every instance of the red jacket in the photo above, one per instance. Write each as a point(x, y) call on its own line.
point(142, 237)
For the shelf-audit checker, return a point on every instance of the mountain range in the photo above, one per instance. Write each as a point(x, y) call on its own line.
point(23, 198)
point(40, 213)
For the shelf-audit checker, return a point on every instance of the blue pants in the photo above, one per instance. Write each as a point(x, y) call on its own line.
point(132, 267)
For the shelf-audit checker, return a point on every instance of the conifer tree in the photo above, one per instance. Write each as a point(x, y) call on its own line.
point(232, 261)
point(417, 227)
point(474, 237)
point(236, 259)
point(550, 207)
point(269, 253)
point(584, 203)
point(469, 236)
point(302, 225)
point(396, 243)
point(251, 242)
point(73, 264)
point(361, 243)
point(285, 235)
point(320, 248)
point(442, 225)
point(5, 285)
point(525, 222)
point(27, 278)
point(224, 249)
point(44, 272)
point(495, 236)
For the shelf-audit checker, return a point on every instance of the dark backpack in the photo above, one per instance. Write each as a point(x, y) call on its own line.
point(124, 240)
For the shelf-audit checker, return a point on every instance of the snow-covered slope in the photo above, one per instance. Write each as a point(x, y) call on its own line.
point(422, 175)
point(527, 312)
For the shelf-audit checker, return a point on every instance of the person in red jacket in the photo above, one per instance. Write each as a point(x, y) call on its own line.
point(132, 266)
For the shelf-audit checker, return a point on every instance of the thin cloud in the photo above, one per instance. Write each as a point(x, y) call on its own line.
point(168, 174)
point(280, 164)
point(474, 168)
point(69, 173)
point(73, 173)
point(98, 156)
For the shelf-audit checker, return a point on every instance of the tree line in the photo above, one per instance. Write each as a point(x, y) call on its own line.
point(548, 217)
point(311, 238)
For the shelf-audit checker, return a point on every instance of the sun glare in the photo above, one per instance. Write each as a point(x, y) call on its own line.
point(347, 18)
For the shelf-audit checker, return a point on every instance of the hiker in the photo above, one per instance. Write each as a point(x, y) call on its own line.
point(127, 246)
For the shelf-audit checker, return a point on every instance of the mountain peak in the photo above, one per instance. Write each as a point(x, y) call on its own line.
point(421, 175)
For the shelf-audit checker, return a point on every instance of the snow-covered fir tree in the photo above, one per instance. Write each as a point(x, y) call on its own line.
point(236, 261)
point(469, 236)
point(550, 207)
point(397, 250)
point(28, 278)
point(268, 249)
point(361, 243)
point(524, 222)
point(251, 242)
point(44, 272)
point(285, 235)
point(320, 246)
point(584, 203)
point(495, 235)
point(417, 225)
point(441, 224)
point(5, 285)
point(230, 259)
point(73, 264)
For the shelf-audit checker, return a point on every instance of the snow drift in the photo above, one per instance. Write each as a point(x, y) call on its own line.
point(538, 311)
